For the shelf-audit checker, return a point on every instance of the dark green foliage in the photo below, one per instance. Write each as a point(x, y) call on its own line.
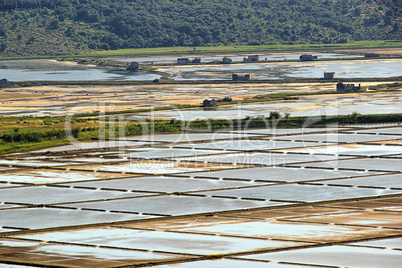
point(3, 47)
point(34, 136)
point(274, 115)
point(226, 99)
point(20, 136)
point(164, 23)
point(54, 24)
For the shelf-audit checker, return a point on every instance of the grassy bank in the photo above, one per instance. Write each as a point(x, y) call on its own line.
point(237, 49)
point(218, 50)
point(27, 139)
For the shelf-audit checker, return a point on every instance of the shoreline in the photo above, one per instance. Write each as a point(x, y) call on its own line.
point(237, 49)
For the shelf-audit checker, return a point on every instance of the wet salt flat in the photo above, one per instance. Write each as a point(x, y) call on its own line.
point(88, 159)
point(163, 184)
point(78, 145)
point(167, 205)
point(55, 195)
point(393, 181)
point(306, 106)
point(150, 167)
point(14, 265)
point(312, 69)
point(382, 131)
point(391, 204)
point(275, 131)
point(338, 138)
point(268, 228)
point(230, 263)
point(30, 163)
point(167, 242)
point(371, 164)
point(299, 193)
point(5, 184)
point(39, 218)
point(394, 142)
point(263, 199)
point(81, 255)
point(354, 218)
point(4, 168)
point(158, 153)
point(4, 206)
point(188, 137)
point(388, 243)
point(344, 256)
point(268, 159)
point(247, 145)
point(350, 150)
point(394, 156)
point(278, 174)
point(373, 127)
point(51, 176)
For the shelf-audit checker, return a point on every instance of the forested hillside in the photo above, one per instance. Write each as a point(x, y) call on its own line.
point(29, 27)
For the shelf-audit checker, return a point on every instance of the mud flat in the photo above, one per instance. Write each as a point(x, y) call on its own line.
point(47, 100)
point(317, 105)
point(285, 70)
point(61, 100)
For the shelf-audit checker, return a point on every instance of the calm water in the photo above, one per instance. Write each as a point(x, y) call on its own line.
point(44, 70)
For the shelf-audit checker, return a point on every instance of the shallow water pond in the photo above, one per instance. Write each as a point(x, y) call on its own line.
point(307, 106)
point(45, 70)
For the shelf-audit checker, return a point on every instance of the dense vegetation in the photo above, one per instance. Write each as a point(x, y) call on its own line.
point(29, 27)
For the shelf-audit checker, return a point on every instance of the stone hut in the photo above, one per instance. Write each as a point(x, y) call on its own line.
point(5, 83)
point(209, 103)
point(371, 55)
point(236, 77)
point(183, 60)
point(226, 60)
point(133, 66)
point(251, 58)
point(329, 75)
point(307, 57)
point(347, 87)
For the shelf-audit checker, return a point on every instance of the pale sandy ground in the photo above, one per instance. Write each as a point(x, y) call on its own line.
point(384, 51)
point(62, 99)
point(72, 63)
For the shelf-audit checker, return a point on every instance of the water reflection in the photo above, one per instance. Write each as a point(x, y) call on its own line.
point(47, 70)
